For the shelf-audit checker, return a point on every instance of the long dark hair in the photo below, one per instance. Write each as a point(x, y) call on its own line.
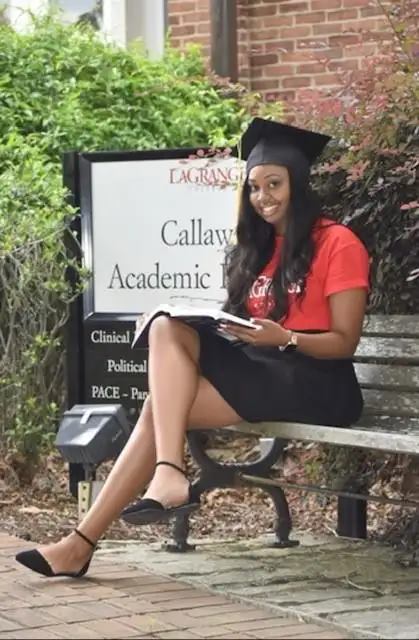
point(255, 246)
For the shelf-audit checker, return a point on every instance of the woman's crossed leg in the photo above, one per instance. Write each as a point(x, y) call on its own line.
point(179, 399)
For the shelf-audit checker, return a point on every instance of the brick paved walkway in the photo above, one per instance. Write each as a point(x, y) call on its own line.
point(120, 601)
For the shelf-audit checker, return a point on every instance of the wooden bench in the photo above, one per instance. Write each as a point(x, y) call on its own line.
point(387, 365)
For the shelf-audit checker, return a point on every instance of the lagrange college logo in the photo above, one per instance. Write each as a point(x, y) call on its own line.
point(215, 177)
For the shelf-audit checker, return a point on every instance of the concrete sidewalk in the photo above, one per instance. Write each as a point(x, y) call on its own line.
point(360, 588)
point(120, 599)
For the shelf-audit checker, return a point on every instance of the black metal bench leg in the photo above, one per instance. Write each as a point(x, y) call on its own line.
point(180, 534)
point(283, 523)
point(214, 474)
point(352, 518)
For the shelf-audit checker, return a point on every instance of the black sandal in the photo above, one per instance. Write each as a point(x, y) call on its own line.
point(148, 511)
point(34, 560)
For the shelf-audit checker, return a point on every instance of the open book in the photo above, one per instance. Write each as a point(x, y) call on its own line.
point(203, 317)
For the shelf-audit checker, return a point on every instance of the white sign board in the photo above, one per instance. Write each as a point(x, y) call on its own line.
point(159, 230)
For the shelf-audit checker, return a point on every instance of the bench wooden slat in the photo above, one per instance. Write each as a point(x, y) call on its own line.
point(388, 350)
point(372, 437)
point(390, 424)
point(375, 376)
point(402, 326)
point(391, 403)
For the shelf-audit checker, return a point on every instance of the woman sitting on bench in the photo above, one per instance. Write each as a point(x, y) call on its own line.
point(303, 279)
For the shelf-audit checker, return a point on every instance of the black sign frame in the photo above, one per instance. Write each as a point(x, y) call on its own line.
point(77, 178)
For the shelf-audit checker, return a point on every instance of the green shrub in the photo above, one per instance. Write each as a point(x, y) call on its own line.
point(370, 177)
point(33, 293)
point(62, 88)
point(70, 90)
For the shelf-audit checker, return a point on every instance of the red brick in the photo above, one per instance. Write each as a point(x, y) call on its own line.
point(218, 632)
point(325, 4)
point(27, 617)
point(335, 52)
point(346, 14)
point(279, 21)
point(297, 56)
point(74, 631)
point(262, 11)
point(344, 40)
point(216, 610)
point(183, 30)
point(370, 11)
point(253, 626)
point(174, 19)
point(360, 50)
point(294, 7)
point(327, 29)
point(312, 43)
point(314, 67)
point(204, 27)
point(343, 65)
point(175, 635)
point(184, 620)
point(279, 70)
point(298, 631)
point(264, 34)
point(356, 3)
point(7, 625)
point(110, 628)
point(361, 25)
point(264, 85)
point(280, 46)
point(149, 623)
point(309, 18)
point(264, 59)
point(231, 636)
point(205, 42)
point(257, 72)
point(376, 36)
point(255, 47)
point(326, 79)
point(323, 635)
point(36, 634)
point(295, 32)
point(296, 83)
point(181, 7)
point(196, 16)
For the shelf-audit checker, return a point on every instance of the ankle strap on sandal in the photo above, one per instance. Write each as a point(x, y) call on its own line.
point(85, 538)
point(170, 464)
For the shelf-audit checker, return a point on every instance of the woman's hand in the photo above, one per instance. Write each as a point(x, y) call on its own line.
point(267, 333)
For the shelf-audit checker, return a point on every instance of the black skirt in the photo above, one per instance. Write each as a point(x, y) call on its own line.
point(265, 384)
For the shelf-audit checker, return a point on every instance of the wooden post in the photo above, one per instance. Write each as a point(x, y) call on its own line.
point(224, 38)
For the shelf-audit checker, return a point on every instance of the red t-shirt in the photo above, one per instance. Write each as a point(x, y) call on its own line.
point(340, 262)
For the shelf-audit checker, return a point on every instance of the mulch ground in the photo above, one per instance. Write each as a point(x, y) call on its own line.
point(44, 510)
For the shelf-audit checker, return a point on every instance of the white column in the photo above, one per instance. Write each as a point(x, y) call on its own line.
point(128, 20)
point(145, 20)
point(114, 23)
point(18, 12)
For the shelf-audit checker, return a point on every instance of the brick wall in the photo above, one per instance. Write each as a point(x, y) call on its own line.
point(189, 21)
point(285, 45)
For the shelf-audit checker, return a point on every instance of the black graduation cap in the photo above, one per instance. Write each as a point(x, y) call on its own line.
point(269, 142)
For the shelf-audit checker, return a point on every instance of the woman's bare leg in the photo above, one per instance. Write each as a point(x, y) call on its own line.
point(135, 465)
point(130, 474)
point(174, 380)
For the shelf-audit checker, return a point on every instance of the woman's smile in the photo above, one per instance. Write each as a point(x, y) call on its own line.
point(270, 211)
